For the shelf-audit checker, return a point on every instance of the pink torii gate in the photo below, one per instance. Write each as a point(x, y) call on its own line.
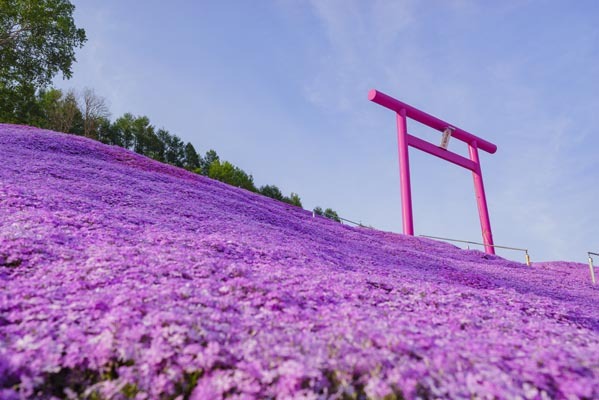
point(405, 111)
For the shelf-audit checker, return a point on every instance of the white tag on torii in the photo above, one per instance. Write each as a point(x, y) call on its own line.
point(445, 138)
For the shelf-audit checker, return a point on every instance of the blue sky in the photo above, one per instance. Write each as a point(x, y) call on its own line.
point(280, 89)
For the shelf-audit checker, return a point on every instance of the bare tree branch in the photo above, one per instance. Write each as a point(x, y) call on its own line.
point(94, 108)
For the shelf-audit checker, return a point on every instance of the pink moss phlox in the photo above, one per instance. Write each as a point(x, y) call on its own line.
point(126, 277)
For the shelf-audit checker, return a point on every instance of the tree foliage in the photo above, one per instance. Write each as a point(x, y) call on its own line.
point(38, 39)
point(228, 173)
point(331, 214)
point(57, 111)
point(86, 114)
point(124, 127)
point(175, 151)
point(108, 134)
point(274, 192)
point(192, 159)
point(271, 191)
point(143, 135)
point(328, 213)
point(210, 157)
point(293, 199)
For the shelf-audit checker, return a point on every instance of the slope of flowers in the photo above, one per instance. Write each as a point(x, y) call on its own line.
point(124, 278)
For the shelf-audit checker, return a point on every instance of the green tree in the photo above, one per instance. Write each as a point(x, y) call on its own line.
point(228, 173)
point(192, 159)
point(154, 147)
point(59, 111)
point(124, 126)
point(331, 214)
point(37, 40)
point(49, 103)
point(207, 161)
point(293, 199)
point(145, 140)
point(108, 133)
point(19, 104)
point(71, 114)
point(271, 191)
point(166, 139)
point(328, 213)
point(140, 127)
point(175, 151)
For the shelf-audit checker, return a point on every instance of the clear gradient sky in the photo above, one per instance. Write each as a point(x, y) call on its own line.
point(279, 88)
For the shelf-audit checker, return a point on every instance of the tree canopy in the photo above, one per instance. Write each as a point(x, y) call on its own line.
point(192, 159)
point(328, 213)
point(38, 39)
point(228, 173)
point(85, 113)
point(271, 191)
point(332, 214)
point(293, 199)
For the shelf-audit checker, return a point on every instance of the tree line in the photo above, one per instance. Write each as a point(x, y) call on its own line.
point(37, 41)
point(86, 114)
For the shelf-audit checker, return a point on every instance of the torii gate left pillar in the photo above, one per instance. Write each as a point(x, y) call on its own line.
point(404, 140)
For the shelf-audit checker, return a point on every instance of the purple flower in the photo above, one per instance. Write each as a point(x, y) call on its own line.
point(125, 277)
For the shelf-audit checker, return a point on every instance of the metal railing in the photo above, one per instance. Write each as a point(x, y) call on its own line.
point(526, 255)
point(591, 267)
point(361, 225)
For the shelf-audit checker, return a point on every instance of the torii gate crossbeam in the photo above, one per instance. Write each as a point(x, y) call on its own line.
point(405, 140)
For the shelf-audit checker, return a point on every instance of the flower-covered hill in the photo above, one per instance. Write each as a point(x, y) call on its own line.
point(121, 277)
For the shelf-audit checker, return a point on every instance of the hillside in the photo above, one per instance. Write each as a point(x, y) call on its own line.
point(123, 277)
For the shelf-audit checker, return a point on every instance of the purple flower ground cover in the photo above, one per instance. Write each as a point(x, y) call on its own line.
point(121, 277)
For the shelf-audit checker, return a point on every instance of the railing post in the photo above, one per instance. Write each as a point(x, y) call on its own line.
point(592, 269)
point(527, 258)
point(404, 173)
point(481, 199)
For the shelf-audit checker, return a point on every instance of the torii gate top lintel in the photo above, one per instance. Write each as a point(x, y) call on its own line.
point(405, 140)
point(429, 120)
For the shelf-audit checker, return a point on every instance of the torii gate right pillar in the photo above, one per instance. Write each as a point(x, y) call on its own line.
point(481, 199)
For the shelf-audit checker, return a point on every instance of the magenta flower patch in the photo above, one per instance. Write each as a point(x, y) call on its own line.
point(121, 277)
